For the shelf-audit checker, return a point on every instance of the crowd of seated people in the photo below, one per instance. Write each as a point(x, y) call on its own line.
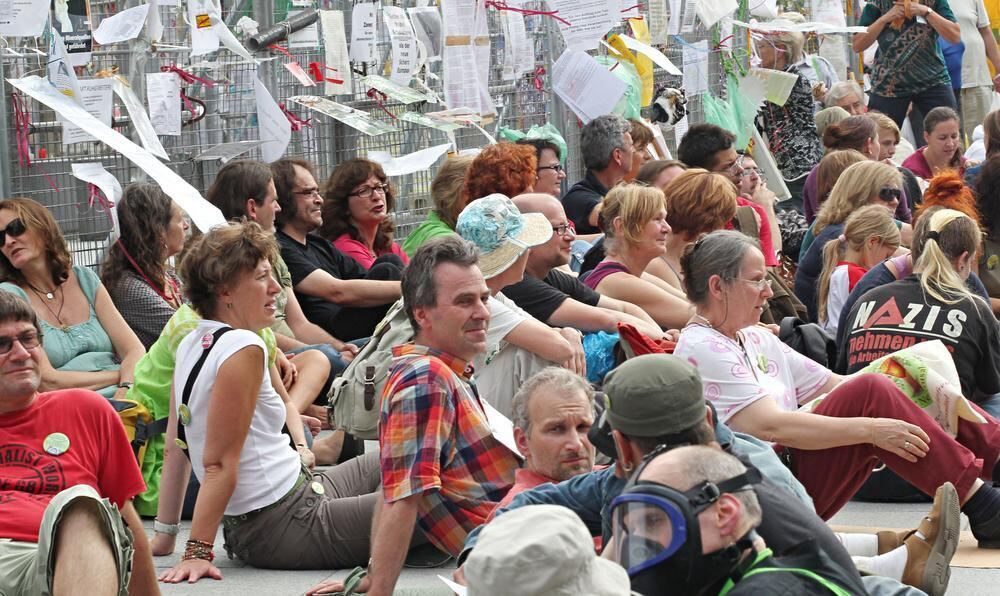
point(235, 335)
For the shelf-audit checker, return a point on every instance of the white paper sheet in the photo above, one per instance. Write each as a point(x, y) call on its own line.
point(429, 29)
point(418, 161)
point(23, 17)
point(363, 32)
point(95, 95)
point(658, 21)
point(589, 21)
point(585, 85)
point(275, 131)
point(459, 17)
point(123, 26)
point(395, 91)
point(674, 17)
point(456, 588)
point(768, 9)
point(302, 76)
point(204, 39)
point(696, 68)
point(687, 17)
point(60, 72)
point(307, 37)
point(711, 11)
point(154, 24)
point(227, 151)
point(95, 174)
point(228, 39)
point(203, 214)
point(163, 95)
point(137, 115)
point(778, 84)
point(680, 129)
point(352, 117)
point(335, 48)
point(652, 53)
point(502, 427)
point(404, 44)
point(519, 51)
point(808, 27)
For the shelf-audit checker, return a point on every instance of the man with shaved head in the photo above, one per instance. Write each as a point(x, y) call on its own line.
point(559, 299)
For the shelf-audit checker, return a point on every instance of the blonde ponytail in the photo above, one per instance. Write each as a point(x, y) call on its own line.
point(951, 233)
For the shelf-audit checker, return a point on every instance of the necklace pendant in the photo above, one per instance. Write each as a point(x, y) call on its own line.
point(50, 295)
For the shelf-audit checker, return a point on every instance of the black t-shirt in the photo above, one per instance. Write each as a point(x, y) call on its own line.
point(789, 583)
point(581, 199)
point(302, 260)
point(899, 315)
point(541, 298)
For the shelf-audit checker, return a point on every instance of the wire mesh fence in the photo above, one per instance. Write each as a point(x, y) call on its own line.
point(225, 111)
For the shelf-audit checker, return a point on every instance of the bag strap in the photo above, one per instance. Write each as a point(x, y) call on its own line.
point(181, 439)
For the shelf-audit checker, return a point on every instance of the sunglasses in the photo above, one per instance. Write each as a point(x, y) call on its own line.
point(890, 194)
point(15, 228)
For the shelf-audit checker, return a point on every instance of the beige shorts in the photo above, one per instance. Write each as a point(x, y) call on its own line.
point(27, 568)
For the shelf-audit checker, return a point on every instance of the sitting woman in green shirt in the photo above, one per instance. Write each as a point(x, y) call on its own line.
point(446, 190)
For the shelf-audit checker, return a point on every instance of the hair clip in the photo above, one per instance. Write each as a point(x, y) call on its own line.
point(933, 235)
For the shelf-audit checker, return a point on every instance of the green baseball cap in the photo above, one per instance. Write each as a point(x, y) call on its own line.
point(653, 395)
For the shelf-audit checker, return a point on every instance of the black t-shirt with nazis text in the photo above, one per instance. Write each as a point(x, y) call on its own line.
point(898, 315)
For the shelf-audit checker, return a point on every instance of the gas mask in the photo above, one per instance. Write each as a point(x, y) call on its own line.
point(658, 539)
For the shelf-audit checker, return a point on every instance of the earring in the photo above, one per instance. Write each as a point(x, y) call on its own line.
point(229, 305)
point(627, 467)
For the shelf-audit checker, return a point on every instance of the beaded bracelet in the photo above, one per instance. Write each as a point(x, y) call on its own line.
point(196, 549)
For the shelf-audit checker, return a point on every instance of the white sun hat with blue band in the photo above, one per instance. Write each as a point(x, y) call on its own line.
point(501, 232)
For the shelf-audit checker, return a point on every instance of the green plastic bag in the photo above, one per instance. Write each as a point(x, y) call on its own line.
point(629, 106)
point(546, 132)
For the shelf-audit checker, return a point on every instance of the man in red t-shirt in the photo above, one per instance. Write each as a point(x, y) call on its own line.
point(67, 479)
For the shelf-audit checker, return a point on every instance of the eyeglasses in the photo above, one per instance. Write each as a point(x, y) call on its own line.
point(554, 167)
point(15, 228)
point(746, 173)
point(367, 191)
point(757, 284)
point(309, 192)
point(564, 229)
point(28, 340)
point(890, 194)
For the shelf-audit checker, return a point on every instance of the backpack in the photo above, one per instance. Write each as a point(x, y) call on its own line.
point(139, 425)
point(808, 339)
point(354, 405)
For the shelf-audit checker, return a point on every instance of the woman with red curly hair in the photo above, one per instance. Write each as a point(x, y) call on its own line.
point(505, 168)
point(948, 189)
point(698, 202)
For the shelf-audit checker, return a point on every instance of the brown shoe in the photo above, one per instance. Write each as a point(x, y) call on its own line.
point(889, 540)
point(928, 559)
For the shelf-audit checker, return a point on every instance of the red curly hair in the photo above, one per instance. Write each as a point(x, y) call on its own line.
point(949, 190)
point(507, 168)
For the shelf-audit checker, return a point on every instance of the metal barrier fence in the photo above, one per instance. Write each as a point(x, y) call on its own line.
point(230, 113)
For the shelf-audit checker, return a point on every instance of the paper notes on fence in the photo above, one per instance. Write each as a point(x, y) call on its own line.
point(123, 26)
point(275, 131)
point(466, 58)
point(427, 25)
point(585, 86)
point(777, 84)
point(163, 94)
point(95, 95)
point(227, 151)
point(335, 52)
point(23, 17)
point(518, 49)
point(418, 161)
point(588, 21)
point(696, 68)
point(352, 117)
point(711, 11)
point(363, 32)
point(202, 213)
point(404, 44)
point(204, 39)
point(404, 95)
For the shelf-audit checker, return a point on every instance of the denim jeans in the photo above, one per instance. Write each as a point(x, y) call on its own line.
point(925, 101)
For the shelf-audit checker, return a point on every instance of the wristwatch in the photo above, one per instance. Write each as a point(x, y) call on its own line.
point(125, 385)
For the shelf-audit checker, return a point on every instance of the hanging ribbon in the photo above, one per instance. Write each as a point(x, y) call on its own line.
point(296, 122)
point(502, 5)
point(186, 76)
point(634, 7)
point(22, 124)
point(95, 195)
point(316, 70)
point(380, 98)
point(537, 78)
point(280, 50)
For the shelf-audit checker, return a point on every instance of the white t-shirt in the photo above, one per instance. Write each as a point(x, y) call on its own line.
point(733, 377)
point(840, 289)
point(504, 316)
point(971, 15)
point(269, 467)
